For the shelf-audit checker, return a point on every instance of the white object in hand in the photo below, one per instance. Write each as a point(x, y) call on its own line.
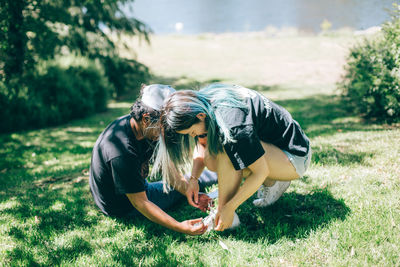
point(209, 221)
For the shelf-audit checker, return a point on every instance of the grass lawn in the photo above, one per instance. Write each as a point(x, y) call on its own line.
point(344, 212)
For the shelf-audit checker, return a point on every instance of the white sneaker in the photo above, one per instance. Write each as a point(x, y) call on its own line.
point(209, 220)
point(267, 196)
point(235, 222)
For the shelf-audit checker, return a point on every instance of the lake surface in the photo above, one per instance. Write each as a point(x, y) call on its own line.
point(218, 16)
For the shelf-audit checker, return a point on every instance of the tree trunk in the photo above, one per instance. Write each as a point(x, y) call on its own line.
point(16, 43)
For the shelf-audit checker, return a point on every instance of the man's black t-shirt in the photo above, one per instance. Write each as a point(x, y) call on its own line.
point(266, 121)
point(119, 166)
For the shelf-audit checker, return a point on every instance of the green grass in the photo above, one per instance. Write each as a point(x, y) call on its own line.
point(344, 212)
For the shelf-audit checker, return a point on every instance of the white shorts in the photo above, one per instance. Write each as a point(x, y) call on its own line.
point(301, 164)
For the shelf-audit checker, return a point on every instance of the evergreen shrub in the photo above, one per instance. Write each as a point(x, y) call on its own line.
point(56, 92)
point(371, 84)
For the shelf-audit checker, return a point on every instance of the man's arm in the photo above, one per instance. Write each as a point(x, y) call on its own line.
point(157, 215)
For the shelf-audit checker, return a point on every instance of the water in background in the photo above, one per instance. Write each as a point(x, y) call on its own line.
point(218, 16)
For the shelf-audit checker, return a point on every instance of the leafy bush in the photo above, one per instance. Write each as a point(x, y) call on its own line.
point(57, 93)
point(125, 75)
point(372, 80)
point(72, 92)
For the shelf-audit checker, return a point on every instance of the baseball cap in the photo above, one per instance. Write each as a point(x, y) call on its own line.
point(154, 95)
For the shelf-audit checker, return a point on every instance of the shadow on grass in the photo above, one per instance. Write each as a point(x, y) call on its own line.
point(22, 152)
point(44, 213)
point(293, 216)
point(63, 230)
point(157, 254)
point(63, 211)
point(329, 155)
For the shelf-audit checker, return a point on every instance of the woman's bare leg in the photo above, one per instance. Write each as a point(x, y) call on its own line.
point(228, 178)
point(280, 167)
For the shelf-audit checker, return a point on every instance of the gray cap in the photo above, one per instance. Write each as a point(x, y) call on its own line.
point(154, 95)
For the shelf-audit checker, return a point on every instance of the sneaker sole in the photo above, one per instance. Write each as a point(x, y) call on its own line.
point(261, 202)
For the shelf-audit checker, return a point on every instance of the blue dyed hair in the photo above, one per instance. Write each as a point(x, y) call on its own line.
point(180, 113)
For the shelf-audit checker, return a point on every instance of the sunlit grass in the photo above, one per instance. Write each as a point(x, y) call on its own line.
point(344, 212)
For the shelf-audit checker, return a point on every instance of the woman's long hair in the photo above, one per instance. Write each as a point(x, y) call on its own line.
point(180, 113)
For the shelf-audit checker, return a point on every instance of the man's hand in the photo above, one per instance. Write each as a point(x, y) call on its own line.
point(192, 193)
point(204, 199)
point(189, 227)
point(224, 218)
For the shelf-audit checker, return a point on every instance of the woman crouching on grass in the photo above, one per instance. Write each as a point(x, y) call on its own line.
point(239, 134)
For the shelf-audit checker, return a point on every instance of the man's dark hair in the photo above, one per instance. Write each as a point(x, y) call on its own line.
point(138, 109)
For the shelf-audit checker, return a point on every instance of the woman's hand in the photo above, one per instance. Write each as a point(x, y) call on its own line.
point(189, 227)
point(224, 218)
point(192, 192)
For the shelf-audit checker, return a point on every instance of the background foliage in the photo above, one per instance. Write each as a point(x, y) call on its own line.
point(36, 31)
point(372, 81)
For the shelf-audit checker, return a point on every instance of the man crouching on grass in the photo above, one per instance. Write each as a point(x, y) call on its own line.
point(120, 165)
